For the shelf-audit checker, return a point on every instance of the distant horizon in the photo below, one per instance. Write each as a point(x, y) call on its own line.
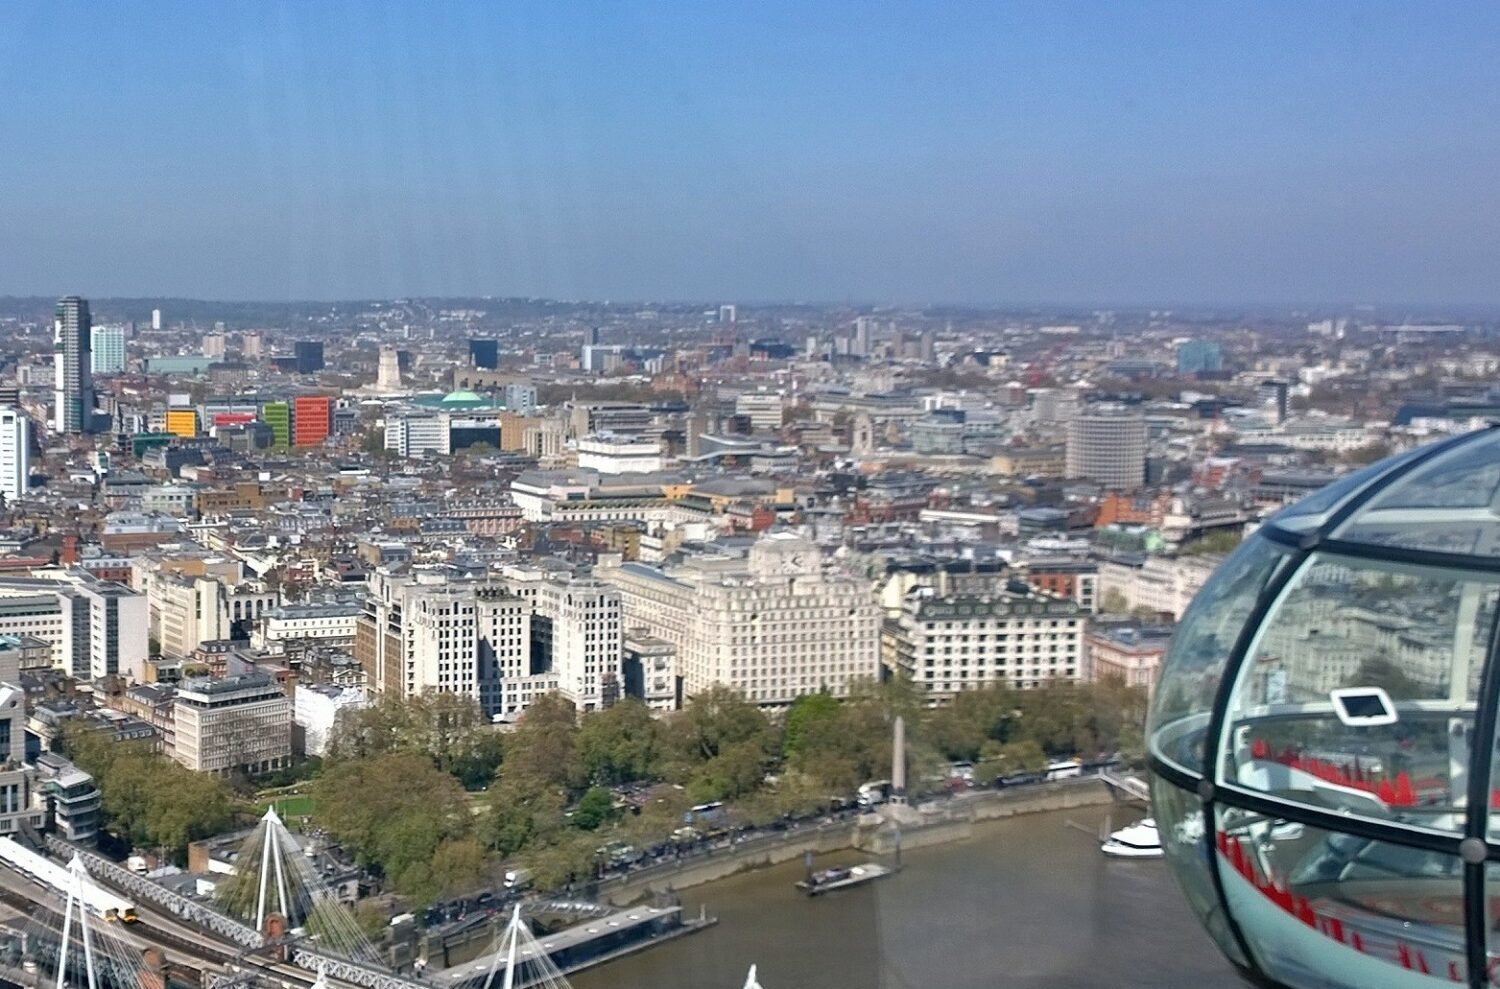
point(1424, 311)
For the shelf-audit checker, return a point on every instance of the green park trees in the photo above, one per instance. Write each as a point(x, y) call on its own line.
point(148, 799)
point(719, 745)
point(560, 784)
point(448, 728)
point(398, 787)
point(619, 744)
point(405, 818)
point(594, 809)
point(1056, 719)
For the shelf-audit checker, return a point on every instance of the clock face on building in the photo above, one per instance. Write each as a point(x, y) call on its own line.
point(775, 558)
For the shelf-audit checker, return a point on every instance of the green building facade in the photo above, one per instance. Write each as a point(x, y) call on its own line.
point(278, 415)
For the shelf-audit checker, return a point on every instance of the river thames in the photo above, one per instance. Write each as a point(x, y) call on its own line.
point(1028, 902)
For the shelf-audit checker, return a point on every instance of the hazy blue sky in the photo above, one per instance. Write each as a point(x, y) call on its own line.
point(993, 152)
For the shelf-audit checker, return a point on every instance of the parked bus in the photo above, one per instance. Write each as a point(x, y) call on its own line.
point(1063, 771)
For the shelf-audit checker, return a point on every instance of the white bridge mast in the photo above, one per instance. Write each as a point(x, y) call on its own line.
point(79, 877)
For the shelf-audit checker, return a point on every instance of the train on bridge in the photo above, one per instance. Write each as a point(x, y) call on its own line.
point(56, 878)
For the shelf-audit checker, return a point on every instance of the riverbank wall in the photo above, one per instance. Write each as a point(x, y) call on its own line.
point(949, 821)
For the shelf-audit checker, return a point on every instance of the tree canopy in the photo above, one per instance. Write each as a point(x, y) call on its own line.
point(446, 727)
point(620, 744)
point(393, 785)
point(406, 819)
point(148, 799)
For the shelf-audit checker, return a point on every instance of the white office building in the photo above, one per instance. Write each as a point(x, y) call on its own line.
point(948, 644)
point(119, 629)
point(576, 633)
point(762, 408)
point(613, 453)
point(414, 433)
point(15, 454)
point(94, 627)
point(315, 709)
point(442, 627)
point(424, 631)
point(240, 722)
point(320, 624)
point(520, 397)
point(774, 626)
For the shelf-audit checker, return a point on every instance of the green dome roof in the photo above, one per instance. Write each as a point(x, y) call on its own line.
point(455, 397)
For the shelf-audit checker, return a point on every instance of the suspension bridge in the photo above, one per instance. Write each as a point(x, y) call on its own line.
point(274, 922)
point(275, 918)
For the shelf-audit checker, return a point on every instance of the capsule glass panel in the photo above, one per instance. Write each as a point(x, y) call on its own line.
point(1328, 909)
point(1358, 694)
point(1201, 649)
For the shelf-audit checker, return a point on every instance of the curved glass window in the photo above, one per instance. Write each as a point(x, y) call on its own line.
point(1358, 693)
point(1334, 910)
point(1447, 504)
point(1311, 512)
point(1187, 845)
point(1200, 650)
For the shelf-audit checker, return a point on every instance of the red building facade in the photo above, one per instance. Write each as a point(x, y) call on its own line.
point(312, 419)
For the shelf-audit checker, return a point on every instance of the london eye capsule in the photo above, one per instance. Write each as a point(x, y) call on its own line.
point(1323, 735)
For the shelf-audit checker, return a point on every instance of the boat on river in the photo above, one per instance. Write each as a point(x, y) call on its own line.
point(828, 880)
point(1140, 840)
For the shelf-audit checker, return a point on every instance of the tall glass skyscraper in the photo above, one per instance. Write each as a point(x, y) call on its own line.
point(73, 390)
point(484, 354)
point(1199, 357)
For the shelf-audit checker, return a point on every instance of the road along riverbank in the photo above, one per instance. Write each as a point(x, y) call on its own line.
point(948, 821)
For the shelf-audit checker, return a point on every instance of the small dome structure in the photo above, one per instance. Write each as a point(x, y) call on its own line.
point(459, 400)
point(1323, 736)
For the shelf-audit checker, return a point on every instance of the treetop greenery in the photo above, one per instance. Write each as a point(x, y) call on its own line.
point(560, 785)
point(432, 797)
point(147, 798)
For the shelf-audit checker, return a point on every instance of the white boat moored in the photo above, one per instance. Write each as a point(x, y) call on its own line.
point(1140, 840)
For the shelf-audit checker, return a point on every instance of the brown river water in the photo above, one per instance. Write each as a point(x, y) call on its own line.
point(1028, 902)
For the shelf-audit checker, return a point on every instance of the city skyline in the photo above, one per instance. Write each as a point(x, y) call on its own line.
point(988, 155)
